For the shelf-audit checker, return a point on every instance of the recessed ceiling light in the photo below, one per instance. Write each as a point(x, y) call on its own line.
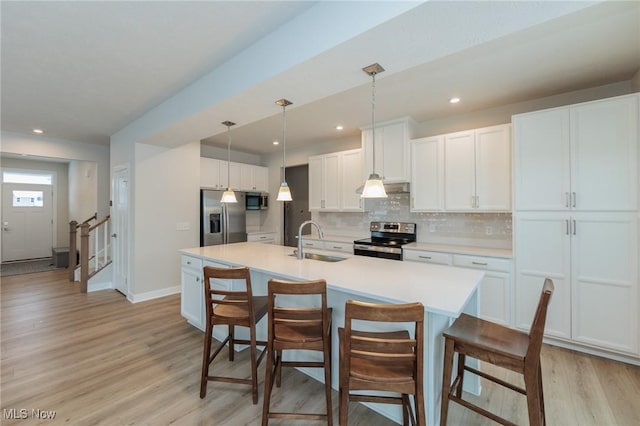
point(454, 100)
point(276, 143)
point(38, 131)
point(339, 127)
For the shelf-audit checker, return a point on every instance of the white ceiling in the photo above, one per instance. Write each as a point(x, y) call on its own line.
point(83, 71)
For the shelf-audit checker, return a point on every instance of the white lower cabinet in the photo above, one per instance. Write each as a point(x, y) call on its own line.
point(192, 302)
point(331, 245)
point(340, 246)
point(191, 305)
point(592, 259)
point(494, 294)
point(264, 238)
point(426, 256)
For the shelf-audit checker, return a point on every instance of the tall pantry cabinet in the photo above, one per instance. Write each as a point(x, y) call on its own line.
point(576, 221)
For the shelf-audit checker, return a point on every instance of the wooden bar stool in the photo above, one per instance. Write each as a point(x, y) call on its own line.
point(295, 328)
point(389, 361)
point(231, 308)
point(500, 346)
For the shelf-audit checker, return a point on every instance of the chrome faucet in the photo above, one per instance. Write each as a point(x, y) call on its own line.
point(320, 234)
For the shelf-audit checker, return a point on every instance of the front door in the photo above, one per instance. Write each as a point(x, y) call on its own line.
point(27, 221)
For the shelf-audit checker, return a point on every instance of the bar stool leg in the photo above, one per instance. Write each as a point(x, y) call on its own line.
point(327, 381)
point(205, 363)
point(268, 385)
point(447, 368)
point(232, 330)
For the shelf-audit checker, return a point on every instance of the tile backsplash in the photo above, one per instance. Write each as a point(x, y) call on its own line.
point(492, 230)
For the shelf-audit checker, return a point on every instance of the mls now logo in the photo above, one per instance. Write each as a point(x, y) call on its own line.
point(14, 413)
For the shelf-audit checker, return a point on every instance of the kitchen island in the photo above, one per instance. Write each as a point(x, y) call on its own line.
point(444, 291)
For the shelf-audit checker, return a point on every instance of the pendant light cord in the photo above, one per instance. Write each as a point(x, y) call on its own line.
point(228, 156)
point(373, 121)
point(284, 143)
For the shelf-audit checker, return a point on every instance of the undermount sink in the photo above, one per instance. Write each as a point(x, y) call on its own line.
point(321, 257)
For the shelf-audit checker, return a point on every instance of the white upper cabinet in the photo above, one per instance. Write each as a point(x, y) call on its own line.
point(477, 165)
point(324, 182)
point(333, 180)
point(427, 174)
point(542, 157)
point(604, 160)
point(352, 178)
point(392, 150)
point(582, 157)
point(214, 174)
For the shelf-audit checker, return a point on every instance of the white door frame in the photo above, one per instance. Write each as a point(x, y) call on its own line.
point(116, 226)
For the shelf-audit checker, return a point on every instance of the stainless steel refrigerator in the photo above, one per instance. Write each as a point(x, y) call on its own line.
point(221, 223)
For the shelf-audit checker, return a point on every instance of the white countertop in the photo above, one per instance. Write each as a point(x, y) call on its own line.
point(441, 289)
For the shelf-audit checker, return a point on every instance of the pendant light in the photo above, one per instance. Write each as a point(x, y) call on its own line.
point(284, 193)
point(373, 187)
point(228, 196)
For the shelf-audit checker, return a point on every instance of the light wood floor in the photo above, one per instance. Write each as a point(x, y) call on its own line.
point(98, 359)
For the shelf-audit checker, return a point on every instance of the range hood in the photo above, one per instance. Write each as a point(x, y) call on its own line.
point(392, 188)
point(397, 188)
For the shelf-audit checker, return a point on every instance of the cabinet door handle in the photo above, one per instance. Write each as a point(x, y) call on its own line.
point(413, 202)
point(337, 247)
point(566, 222)
point(197, 279)
point(479, 263)
point(573, 199)
point(477, 201)
point(574, 226)
point(473, 202)
point(566, 198)
point(425, 257)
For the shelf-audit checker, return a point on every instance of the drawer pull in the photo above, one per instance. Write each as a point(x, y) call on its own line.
point(424, 257)
point(188, 262)
point(337, 247)
point(479, 263)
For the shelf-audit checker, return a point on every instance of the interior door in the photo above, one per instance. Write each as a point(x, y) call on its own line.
point(120, 240)
point(27, 221)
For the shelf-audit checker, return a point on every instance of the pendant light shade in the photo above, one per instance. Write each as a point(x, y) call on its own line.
point(284, 193)
point(373, 187)
point(228, 196)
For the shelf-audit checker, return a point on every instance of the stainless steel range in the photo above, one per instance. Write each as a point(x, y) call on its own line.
point(387, 239)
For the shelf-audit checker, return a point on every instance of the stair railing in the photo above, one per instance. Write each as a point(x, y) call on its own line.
point(102, 250)
point(73, 244)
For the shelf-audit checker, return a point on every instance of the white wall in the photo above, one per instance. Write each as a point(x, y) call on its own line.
point(61, 187)
point(236, 156)
point(44, 148)
point(83, 181)
point(167, 194)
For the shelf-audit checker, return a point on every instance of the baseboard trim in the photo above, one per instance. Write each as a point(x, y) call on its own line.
point(156, 294)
